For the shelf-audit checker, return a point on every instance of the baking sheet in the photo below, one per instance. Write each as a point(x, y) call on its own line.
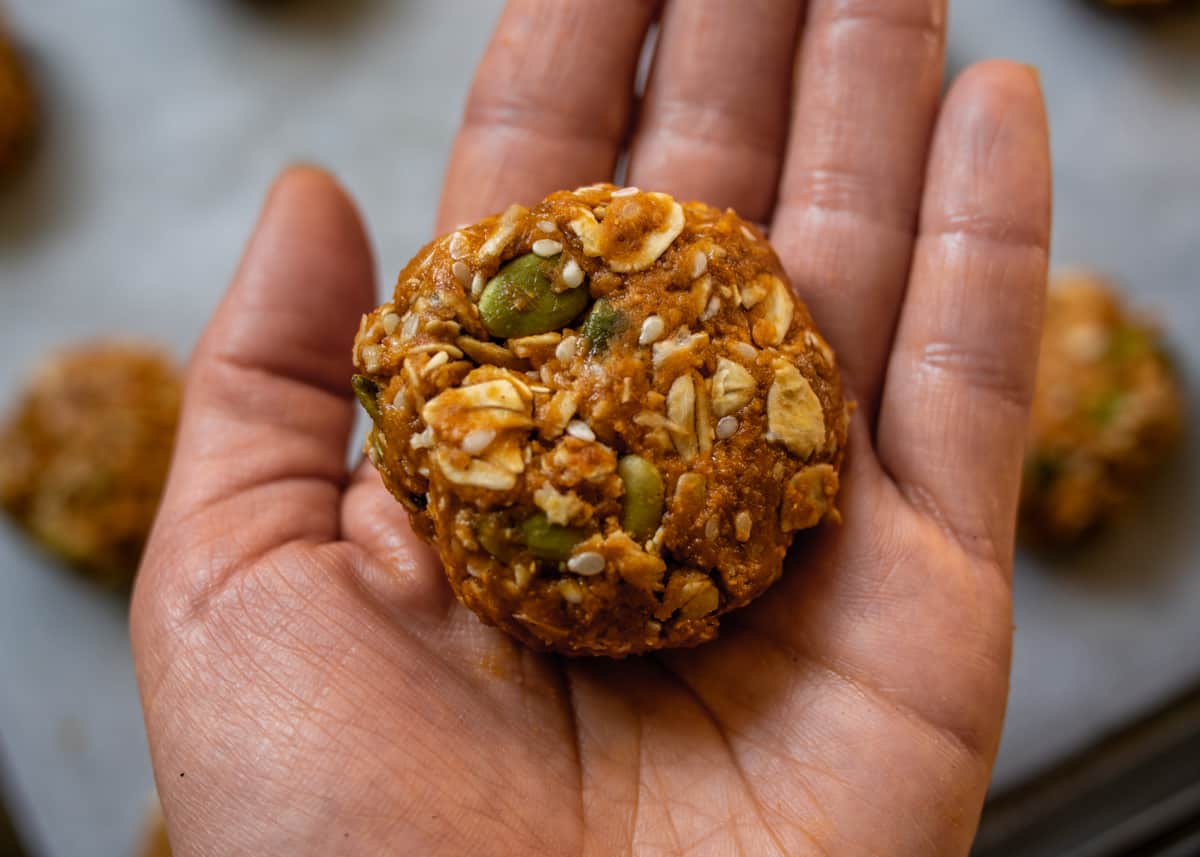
point(168, 119)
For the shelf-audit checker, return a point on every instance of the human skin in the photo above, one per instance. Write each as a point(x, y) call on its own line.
point(312, 687)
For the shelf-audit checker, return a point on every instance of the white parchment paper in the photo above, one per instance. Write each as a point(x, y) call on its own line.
point(167, 120)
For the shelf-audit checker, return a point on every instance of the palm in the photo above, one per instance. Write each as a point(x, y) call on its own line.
point(311, 686)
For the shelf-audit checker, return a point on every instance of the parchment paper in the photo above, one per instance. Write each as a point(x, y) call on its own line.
point(167, 121)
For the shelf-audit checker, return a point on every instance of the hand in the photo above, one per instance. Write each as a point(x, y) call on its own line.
point(312, 687)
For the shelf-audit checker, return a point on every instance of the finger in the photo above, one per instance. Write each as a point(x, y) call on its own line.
point(714, 122)
point(268, 408)
point(952, 423)
point(867, 96)
point(549, 106)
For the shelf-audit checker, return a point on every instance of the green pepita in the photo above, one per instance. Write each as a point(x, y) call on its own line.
point(520, 300)
point(375, 439)
point(1126, 343)
point(496, 537)
point(1106, 407)
point(549, 541)
point(644, 494)
point(367, 392)
point(603, 323)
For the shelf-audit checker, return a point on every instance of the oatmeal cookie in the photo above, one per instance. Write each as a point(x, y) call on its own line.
point(84, 456)
point(607, 412)
point(1106, 410)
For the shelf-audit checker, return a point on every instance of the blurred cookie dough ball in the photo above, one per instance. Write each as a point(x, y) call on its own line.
point(18, 112)
point(1106, 411)
point(154, 840)
point(84, 454)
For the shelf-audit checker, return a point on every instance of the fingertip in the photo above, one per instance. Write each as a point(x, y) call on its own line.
point(306, 176)
point(990, 164)
point(311, 188)
point(305, 278)
point(1001, 77)
point(995, 91)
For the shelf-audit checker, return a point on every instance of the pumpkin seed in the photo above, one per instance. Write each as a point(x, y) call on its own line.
point(521, 301)
point(644, 494)
point(367, 392)
point(603, 323)
point(549, 541)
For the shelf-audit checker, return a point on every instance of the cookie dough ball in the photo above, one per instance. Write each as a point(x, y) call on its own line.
point(18, 115)
point(157, 844)
point(154, 839)
point(1106, 411)
point(608, 413)
point(84, 456)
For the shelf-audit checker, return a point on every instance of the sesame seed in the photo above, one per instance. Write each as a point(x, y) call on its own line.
point(699, 265)
point(652, 330)
point(586, 564)
point(714, 307)
point(711, 528)
point(742, 525)
point(625, 191)
point(411, 322)
point(750, 236)
point(390, 322)
point(477, 441)
point(547, 226)
point(546, 247)
point(726, 427)
point(572, 274)
point(565, 351)
point(477, 284)
point(458, 245)
point(371, 357)
point(461, 272)
point(570, 591)
point(580, 430)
